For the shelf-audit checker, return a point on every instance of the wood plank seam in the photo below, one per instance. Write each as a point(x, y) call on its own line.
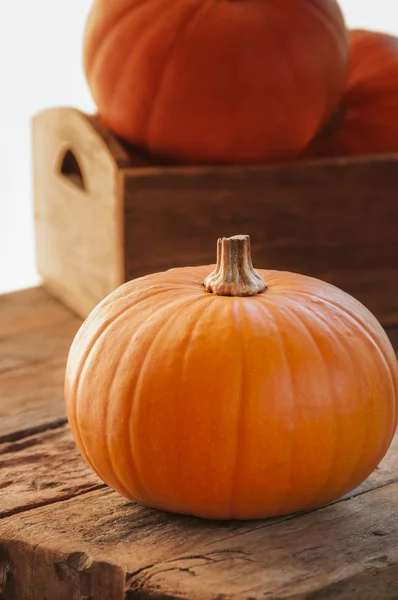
point(23, 433)
point(27, 508)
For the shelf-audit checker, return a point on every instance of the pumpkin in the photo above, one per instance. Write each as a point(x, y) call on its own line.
point(366, 121)
point(231, 393)
point(188, 81)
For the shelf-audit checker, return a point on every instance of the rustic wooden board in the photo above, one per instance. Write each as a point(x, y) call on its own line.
point(347, 550)
point(64, 535)
point(35, 334)
point(44, 468)
point(30, 310)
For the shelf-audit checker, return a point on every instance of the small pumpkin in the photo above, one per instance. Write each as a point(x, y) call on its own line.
point(189, 81)
point(366, 121)
point(248, 396)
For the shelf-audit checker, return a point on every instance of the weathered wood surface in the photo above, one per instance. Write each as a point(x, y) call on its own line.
point(35, 335)
point(65, 535)
point(40, 469)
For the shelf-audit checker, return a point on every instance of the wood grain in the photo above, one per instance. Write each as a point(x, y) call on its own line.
point(33, 399)
point(20, 312)
point(41, 469)
point(64, 535)
point(80, 263)
point(35, 335)
point(336, 220)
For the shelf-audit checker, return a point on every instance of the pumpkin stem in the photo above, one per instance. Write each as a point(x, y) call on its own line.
point(234, 274)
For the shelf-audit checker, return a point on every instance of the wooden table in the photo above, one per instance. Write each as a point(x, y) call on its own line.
point(65, 536)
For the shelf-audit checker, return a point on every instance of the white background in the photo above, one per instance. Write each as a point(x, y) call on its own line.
point(40, 67)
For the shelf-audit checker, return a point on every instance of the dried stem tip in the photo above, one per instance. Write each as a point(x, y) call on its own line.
point(234, 274)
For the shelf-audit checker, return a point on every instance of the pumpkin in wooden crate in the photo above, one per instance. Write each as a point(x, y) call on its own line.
point(366, 121)
point(216, 82)
point(230, 393)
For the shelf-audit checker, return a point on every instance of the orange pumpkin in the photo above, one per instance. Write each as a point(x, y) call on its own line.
point(366, 121)
point(233, 399)
point(216, 82)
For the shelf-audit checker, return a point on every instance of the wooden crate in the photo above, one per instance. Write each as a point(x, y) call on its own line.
point(101, 221)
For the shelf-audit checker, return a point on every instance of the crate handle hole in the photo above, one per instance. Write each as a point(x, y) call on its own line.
point(71, 170)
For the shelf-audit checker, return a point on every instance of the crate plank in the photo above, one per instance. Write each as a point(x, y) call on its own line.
point(322, 219)
point(79, 263)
